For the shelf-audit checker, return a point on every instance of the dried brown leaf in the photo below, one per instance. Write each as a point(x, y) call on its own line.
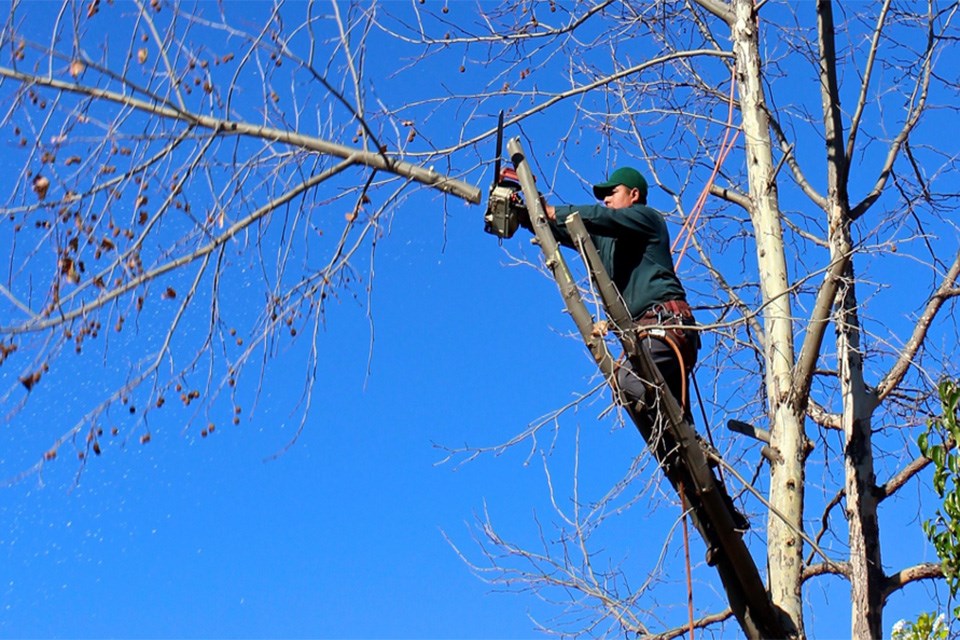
point(40, 186)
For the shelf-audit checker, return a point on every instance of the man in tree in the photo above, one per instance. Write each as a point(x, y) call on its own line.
point(634, 245)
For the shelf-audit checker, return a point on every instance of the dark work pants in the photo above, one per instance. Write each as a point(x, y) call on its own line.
point(665, 358)
point(650, 417)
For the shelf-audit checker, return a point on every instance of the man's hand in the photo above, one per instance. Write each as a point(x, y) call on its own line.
point(549, 210)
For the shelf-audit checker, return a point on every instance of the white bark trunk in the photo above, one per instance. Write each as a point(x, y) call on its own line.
point(784, 546)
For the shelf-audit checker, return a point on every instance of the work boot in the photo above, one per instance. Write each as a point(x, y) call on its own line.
point(740, 522)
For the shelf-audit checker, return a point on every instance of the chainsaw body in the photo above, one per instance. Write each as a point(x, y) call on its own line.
point(505, 205)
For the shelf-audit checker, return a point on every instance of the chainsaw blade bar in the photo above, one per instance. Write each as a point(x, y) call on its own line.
point(496, 166)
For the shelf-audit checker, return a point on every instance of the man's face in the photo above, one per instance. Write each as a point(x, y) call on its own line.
point(621, 197)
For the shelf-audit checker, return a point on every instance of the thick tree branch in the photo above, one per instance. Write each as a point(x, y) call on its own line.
point(816, 329)
point(902, 477)
point(730, 195)
point(897, 581)
point(837, 159)
point(836, 202)
point(718, 8)
point(824, 418)
point(826, 568)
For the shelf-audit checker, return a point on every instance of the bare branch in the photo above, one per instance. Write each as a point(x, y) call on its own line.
point(700, 623)
point(375, 160)
point(718, 8)
point(787, 148)
point(944, 292)
point(867, 77)
point(924, 571)
point(737, 198)
point(826, 568)
point(152, 274)
point(523, 35)
point(825, 518)
point(822, 417)
point(896, 482)
point(590, 87)
point(917, 108)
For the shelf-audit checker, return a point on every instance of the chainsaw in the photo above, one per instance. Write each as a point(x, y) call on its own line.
point(505, 205)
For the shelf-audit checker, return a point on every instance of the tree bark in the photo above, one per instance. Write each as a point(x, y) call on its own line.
point(866, 569)
point(866, 573)
point(787, 435)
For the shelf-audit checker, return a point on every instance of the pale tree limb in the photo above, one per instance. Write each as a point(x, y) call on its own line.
point(900, 579)
point(901, 478)
point(731, 195)
point(824, 418)
point(718, 8)
point(826, 568)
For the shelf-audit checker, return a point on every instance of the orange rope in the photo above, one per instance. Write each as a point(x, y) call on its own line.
point(683, 368)
point(725, 147)
point(686, 555)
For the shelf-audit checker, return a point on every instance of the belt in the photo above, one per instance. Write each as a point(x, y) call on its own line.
point(678, 308)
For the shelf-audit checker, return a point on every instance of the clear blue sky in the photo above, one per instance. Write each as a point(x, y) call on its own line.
point(350, 533)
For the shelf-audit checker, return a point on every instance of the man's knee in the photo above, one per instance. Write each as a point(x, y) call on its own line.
point(630, 384)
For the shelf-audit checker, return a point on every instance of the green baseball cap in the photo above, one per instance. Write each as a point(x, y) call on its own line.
point(628, 177)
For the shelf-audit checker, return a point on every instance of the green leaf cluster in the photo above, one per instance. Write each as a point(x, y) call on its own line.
point(927, 627)
point(939, 444)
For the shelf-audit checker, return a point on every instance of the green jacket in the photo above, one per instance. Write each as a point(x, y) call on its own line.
point(634, 245)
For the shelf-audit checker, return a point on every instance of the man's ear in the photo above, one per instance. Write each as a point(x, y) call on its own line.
point(634, 195)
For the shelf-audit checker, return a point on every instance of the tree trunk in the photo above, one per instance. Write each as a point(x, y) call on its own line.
point(866, 572)
point(787, 435)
